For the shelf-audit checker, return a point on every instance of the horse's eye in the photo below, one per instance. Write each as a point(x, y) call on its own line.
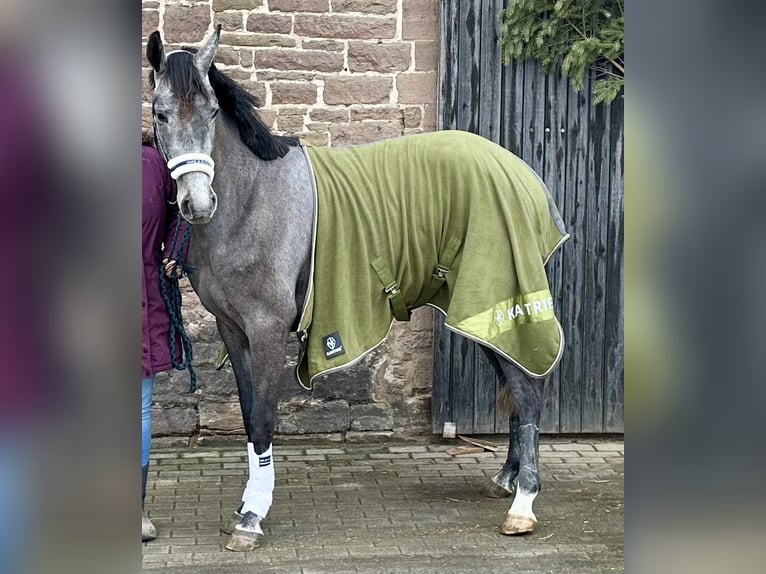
point(215, 113)
point(161, 117)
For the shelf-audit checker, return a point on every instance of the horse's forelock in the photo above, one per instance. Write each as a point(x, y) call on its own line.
point(184, 79)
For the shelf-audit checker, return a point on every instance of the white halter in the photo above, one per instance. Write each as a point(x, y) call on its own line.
point(190, 162)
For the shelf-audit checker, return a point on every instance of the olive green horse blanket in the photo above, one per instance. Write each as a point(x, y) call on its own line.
point(448, 219)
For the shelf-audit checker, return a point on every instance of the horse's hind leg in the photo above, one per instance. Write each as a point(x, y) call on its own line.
point(502, 482)
point(523, 452)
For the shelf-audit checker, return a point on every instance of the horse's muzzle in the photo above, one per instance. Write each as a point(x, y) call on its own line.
point(198, 215)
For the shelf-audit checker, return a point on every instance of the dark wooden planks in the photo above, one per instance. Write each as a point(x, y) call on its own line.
point(490, 71)
point(448, 22)
point(597, 213)
point(513, 108)
point(614, 362)
point(519, 106)
point(554, 176)
point(573, 259)
point(440, 394)
point(484, 393)
point(468, 59)
point(534, 115)
point(462, 375)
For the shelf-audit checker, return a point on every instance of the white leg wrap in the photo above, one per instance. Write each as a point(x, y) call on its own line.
point(522, 504)
point(259, 491)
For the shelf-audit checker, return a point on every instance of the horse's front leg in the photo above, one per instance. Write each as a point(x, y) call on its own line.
point(267, 341)
point(238, 348)
point(523, 454)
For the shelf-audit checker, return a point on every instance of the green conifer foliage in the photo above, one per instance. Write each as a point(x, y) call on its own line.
point(582, 36)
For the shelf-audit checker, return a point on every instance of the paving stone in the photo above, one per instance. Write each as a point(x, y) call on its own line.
point(380, 508)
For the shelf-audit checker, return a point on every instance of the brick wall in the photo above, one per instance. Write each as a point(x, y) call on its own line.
point(333, 72)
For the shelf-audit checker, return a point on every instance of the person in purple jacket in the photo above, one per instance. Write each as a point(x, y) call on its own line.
point(159, 225)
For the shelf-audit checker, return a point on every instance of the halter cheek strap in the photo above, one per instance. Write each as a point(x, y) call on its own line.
point(191, 162)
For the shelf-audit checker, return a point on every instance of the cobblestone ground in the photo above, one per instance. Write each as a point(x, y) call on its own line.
point(406, 507)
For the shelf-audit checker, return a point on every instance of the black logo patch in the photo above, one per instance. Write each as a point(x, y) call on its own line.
point(333, 346)
point(264, 461)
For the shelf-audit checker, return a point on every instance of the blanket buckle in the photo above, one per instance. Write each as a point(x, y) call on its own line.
point(441, 271)
point(392, 290)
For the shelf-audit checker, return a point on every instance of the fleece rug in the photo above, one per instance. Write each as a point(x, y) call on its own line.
point(447, 219)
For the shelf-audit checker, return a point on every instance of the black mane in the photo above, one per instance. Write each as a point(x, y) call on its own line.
point(235, 102)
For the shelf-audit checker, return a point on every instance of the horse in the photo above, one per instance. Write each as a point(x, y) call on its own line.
point(256, 256)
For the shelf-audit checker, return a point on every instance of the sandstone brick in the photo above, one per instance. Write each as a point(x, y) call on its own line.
point(416, 87)
point(221, 416)
point(290, 120)
point(318, 127)
point(150, 4)
point(366, 6)
point(299, 5)
point(257, 40)
point(345, 90)
point(229, 21)
point(290, 76)
point(238, 76)
point(315, 138)
point(298, 60)
point(228, 56)
point(176, 421)
point(186, 23)
point(293, 93)
point(329, 45)
point(420, 20)
point(358, 133)
point(351, 385)
point(146, 116)
point(426, 56)
point(371, 417)
point(268, 117)
point(429, 117)
point(332, 116)
point(337, 26)
point(369, 56)
point(220, 5)
point(270, 23)
point(150, 21)
point(376, 113)
point(146, 88)
point(412, 117)
point(258, 89)
point(313, 416)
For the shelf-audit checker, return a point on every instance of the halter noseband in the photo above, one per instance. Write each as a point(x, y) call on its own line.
point(190, 162)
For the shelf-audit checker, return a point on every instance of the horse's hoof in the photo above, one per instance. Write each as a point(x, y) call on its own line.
point(515, 525)
point(232, 524)
point(496, 491)
point(244, 541)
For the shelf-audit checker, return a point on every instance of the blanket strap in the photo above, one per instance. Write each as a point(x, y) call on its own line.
point(439, 277)
point(391, 287)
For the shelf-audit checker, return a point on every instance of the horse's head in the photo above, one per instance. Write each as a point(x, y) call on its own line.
point(184, 109)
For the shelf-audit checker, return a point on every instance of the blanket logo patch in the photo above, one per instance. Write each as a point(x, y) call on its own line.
point(264, 461)
point(333, 346)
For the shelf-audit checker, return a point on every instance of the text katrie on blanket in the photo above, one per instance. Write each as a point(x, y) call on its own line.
point(448, 219)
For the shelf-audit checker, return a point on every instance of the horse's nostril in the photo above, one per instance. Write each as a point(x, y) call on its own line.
point(185, 207)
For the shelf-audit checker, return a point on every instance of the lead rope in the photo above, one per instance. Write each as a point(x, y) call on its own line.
point(171, 295)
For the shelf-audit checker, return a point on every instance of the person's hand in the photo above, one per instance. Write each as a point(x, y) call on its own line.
point(172, 269)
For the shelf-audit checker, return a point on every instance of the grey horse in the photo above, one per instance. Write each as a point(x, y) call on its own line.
point(251, 254)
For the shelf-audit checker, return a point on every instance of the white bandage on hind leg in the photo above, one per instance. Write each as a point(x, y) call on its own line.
point(259, 491)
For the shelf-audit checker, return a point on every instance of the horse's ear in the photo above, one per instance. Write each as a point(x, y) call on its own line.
point(206, 54)
point(155, 53)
